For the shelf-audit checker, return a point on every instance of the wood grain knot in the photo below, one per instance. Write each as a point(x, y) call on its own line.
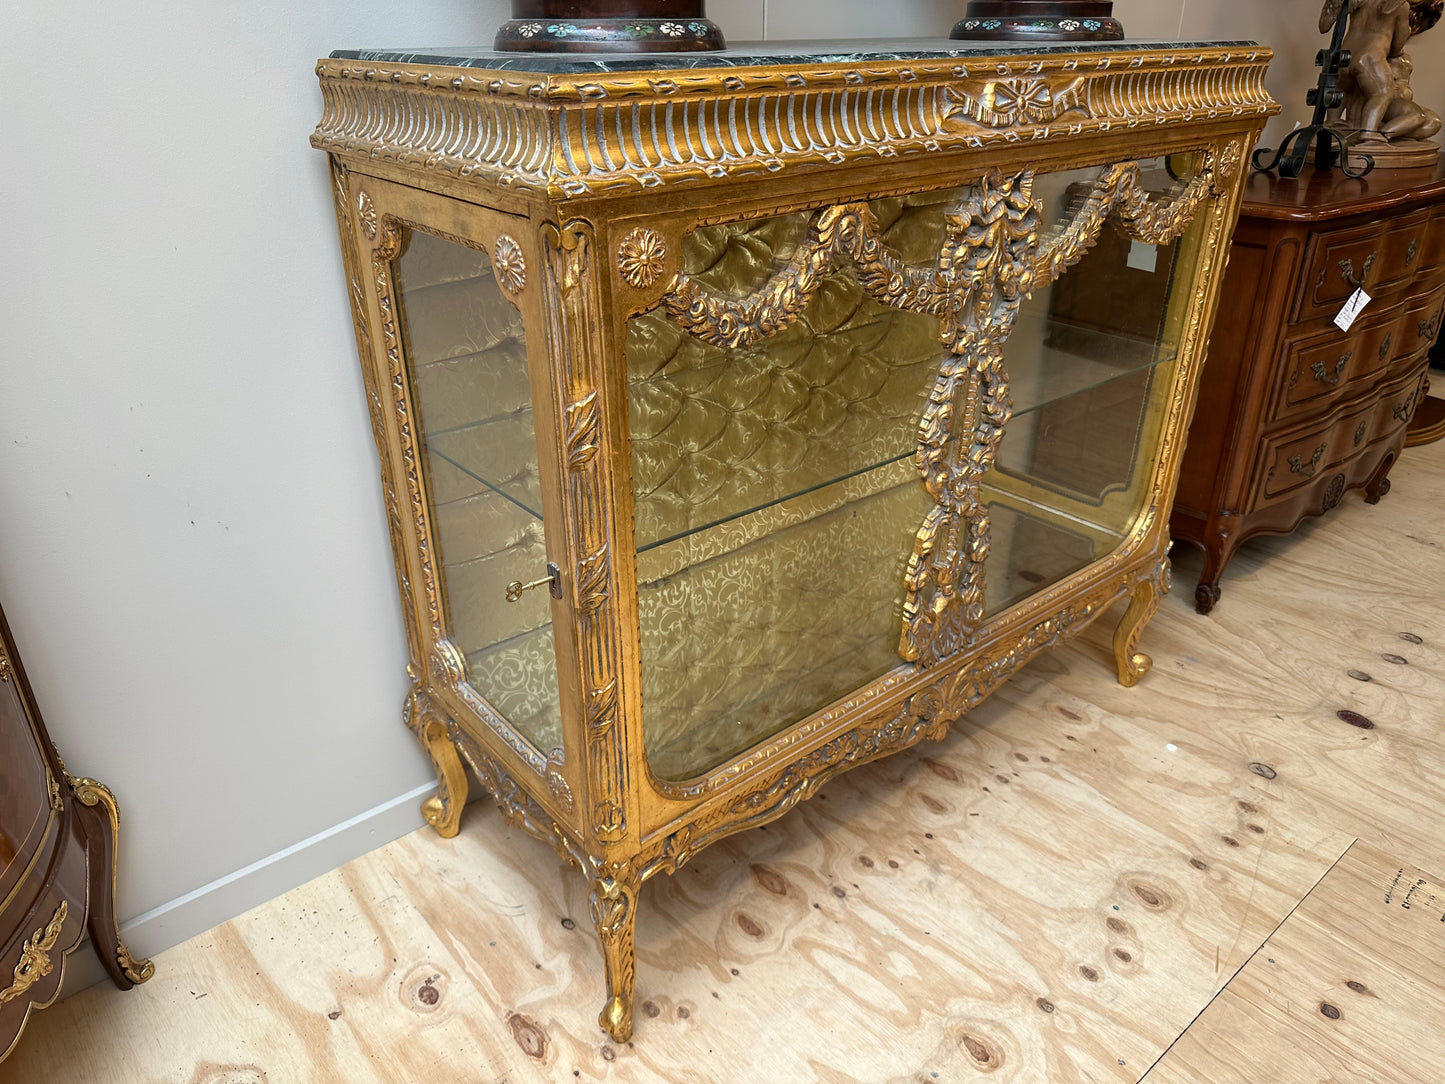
point(650, 1009)
point(1021, 758)
point(865, 861)
point(568, 924)
point(943, 771)
point(1410, 637)
point(984, 1056)
point(1230, 841)
point(1119, 926)
point(608, 1054)
point(1199, 864)
point(1088, 973)
point(1045, 1004)
point(1123, 956)
point(1256, 829)
point(748, 926)
point(1354, 718)
point(1396, 660)
point(1264, 771)
point(530, 1037)
point(934, 804)
point(771, 880)
point(1248, 807)
point(1328, 1010)
point(1359, 675)
point(1360, 988)
point(424, 988)
point(1151, 896)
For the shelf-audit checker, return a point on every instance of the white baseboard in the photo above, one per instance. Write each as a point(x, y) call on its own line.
point(236, 893)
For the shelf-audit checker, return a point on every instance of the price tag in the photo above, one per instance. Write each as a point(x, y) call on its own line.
point(1353, 307)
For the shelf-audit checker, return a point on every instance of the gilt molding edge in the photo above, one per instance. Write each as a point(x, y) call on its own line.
point(568, 138)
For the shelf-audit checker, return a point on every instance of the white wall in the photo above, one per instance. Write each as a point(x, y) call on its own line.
point(192, 548)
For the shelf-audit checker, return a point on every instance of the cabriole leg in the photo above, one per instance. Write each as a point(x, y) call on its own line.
point(614, 912)
point(1148, 594)
point(100, 820)
point(443, 810)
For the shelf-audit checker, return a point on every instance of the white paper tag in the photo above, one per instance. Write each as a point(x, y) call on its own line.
point(1142, 257)
point(1353, 307)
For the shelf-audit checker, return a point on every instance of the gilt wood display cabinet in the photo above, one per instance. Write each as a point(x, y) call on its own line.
point(746, 417)
point(57, 861)
point(1295, 411)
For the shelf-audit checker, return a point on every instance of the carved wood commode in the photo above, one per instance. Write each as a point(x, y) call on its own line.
point(737, 422)
point(57, 861)
point(1294, 411)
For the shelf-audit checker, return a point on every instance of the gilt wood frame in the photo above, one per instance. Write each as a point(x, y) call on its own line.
point(580, 187)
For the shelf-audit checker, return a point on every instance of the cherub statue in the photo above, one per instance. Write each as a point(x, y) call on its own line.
point(1379, 105)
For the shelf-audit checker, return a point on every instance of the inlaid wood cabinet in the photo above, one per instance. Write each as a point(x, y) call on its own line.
point(1295, 411)
point(57, 854)
point(748, 416)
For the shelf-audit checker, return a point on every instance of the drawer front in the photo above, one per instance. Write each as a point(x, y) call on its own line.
point(34, 943)
point(1379, 256)
point(1298, 457)
point(1317, 368)
point(1421, 325)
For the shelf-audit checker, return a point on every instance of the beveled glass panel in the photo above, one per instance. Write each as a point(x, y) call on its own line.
point(466, 351)
point(777, 498)
point(1090, 364)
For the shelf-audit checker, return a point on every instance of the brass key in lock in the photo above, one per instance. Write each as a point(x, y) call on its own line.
point(553, 581)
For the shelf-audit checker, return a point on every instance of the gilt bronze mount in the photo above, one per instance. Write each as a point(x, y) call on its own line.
point(608, 26)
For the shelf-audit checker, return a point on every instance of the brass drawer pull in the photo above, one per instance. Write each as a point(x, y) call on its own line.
point(1411, 251)
point(1297, 465)
point(552, 581)
point(1360, 434)
point(1324, 376)
point(1431, 327)
point(1405, 409)
point(1347, 269)
point(1385, 346)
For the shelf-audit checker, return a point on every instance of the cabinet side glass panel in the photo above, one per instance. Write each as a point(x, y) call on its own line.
point(777, 496)
point(1091, 363)
point(466, 352)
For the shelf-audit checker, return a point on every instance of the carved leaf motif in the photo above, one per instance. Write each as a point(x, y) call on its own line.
point(601, 709)
point(608, 822)
point(592, 576)
point(583, 436)
point(366, 210)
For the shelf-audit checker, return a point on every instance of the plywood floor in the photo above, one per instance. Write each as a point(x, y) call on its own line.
point(1081, 883)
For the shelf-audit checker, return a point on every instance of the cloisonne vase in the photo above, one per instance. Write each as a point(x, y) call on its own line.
point(1039, 20)
point(608, 26)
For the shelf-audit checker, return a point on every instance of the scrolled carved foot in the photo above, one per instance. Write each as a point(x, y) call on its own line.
point(616, 1019)
point(100, 822)
point(1131, 662)
point(443, 810)
point(613, 904)
point(1374, 493)
point(1205, 596)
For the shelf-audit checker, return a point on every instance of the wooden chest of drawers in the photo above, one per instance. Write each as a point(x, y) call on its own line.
point(1293, 411)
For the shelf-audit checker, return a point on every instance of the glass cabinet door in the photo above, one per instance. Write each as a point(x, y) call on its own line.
point(1091, 365)
point(466, 353)
point(779, 410)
